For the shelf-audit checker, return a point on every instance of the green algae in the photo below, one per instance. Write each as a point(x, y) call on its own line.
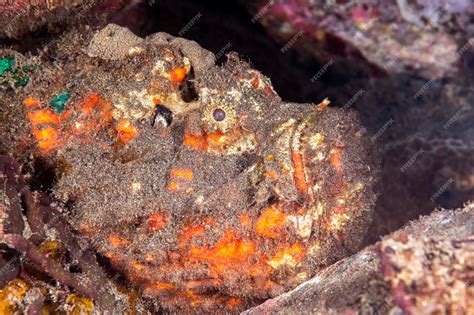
point(6, 64)
point(59, 102)
point(12, 76)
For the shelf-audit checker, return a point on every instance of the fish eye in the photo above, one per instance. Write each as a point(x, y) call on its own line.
point(219, 117)
point(218, 114)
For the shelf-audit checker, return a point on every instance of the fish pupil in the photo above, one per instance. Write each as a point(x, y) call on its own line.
point(218, 114)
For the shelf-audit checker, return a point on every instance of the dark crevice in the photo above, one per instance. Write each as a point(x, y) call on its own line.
point(43, 175)
point(31, 43)
point(188, 90)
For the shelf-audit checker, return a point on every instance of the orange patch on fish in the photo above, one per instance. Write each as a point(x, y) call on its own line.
point(116, 241)
point(126, 131)
point(182, 173)
point(43, 116)
point(271, 223)
point(31, 102)
point(335, 157)
point(48, 138)
point(156, 221)
point(197, 142)
point(299, 175)
point(177, 75)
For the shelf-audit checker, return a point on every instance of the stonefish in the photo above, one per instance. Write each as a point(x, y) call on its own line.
point(196, 181)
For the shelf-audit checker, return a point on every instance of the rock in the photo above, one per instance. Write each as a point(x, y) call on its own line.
point(17, 18)
point(422, 37)
point(435, 255)
point(432, 254)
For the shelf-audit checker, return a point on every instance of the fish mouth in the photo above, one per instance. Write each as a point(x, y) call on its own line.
point(309, 162)
point(292, 161)
point(322, 165)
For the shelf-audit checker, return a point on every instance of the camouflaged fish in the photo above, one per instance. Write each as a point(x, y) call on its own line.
point(196, 181)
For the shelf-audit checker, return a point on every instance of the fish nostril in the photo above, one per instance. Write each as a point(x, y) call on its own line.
point(163, 116)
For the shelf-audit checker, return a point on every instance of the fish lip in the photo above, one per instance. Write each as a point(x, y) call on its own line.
point(291, 159)
point(302, 173)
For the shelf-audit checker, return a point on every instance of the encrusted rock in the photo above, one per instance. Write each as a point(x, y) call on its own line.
point(429, 38)
point(18, 18)
point(424, 268)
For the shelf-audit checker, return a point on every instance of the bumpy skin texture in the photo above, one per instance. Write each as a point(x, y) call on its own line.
point(196, 181)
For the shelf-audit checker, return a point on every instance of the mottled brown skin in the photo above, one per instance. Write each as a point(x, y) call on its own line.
point(203, 212)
